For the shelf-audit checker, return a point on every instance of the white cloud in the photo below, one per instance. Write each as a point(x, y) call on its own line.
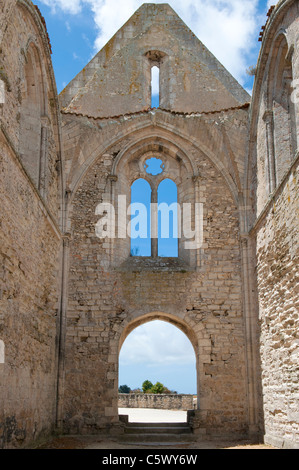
point(227, 27)
point(270, 3)
point(69, 6)
point(77, 57)
point(157, 343)
point(155, 80)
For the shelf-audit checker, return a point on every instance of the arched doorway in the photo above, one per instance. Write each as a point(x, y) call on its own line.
point(157, 370)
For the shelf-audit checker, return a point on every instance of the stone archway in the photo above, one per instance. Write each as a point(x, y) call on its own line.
point(132, 323)
point(157, 316)
point(174, 320)
point(161, 414)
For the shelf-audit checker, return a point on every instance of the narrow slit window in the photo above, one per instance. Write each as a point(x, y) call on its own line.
point(155, 87)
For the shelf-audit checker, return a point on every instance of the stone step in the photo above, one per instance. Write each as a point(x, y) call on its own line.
point(166, 439)
point(157, 433)
point(157, 430)
point(158, 425)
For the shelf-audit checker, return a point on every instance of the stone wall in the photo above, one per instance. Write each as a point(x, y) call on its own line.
point(122, 82)
point(160, 402)
point(29, 262)
point(278, 260)
point(106, 139)
point(108, 296)
point(275, 137)
point(30, 238)
point(68, 299)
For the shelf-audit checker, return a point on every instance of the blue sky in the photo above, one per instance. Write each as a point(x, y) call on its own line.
point(78, 29)
point(159, 352)
point(141, 223)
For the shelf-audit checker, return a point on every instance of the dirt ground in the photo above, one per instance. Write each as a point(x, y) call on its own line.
point(138, 415)
point(100, 442)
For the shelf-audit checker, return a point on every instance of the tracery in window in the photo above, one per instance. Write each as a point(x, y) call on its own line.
point(154, 215)
point(154, 166)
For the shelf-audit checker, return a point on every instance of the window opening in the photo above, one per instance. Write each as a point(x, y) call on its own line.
point(140, 218)
point(154, 166)
point(155, 87)
point(168, 219)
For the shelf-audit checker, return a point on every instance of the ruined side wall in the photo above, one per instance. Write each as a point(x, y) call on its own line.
point(29, 294)
point(30, 244)
point(276, 228)
point(278, 260)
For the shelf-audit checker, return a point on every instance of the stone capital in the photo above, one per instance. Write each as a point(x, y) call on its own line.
point(66, 237)
point(113, 178)
point(244, 241)
point(268, 116)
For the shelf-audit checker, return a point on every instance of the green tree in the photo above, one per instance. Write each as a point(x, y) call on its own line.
point(124, 389)
point(158, 389)
point(146, 386)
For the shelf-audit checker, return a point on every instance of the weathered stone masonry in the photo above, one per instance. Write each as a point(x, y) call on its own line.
point(275, 153)
point(68, 299)
point(110, 293)
point(102, 301)
point(30, 232)
point(159, 402)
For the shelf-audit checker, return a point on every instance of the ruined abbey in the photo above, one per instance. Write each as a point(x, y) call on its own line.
point(69, 299)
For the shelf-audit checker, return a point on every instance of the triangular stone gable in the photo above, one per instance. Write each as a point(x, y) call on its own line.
point(117, 81)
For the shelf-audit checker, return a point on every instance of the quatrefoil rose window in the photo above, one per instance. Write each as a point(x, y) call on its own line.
point(154, 166)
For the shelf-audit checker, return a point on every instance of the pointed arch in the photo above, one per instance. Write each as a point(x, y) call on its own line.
point(159, 344)
point(132, 324)
point(164, 133)
point(280, 117)
point(32, 110)
point(167, 317)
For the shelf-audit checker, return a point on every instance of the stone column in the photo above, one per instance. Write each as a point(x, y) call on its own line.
point(198, 235)
point(113, 179)
point(268, 118)
point(154, 221)
point(43, 160)
point(251, 321)
point(62, 329)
